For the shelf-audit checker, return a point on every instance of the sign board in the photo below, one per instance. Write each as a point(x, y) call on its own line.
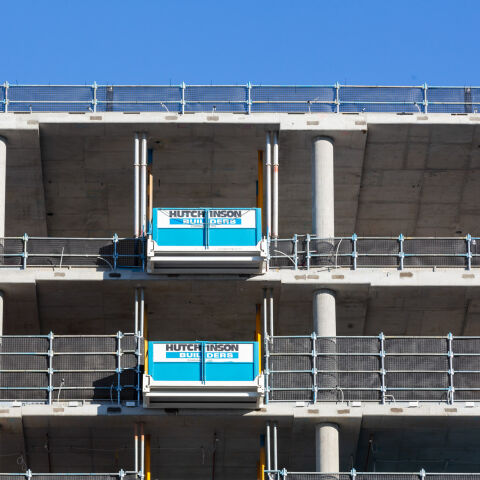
point(213, 352)
point(195, 218)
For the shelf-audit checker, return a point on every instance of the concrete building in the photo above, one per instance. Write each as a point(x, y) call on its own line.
point(355, 311)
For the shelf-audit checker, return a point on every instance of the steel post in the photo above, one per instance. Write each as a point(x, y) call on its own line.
point(143, 187)
point(275, 187)
point(136, 186)
point(268, 181)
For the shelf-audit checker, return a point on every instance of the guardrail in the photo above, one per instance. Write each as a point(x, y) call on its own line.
point(111, 253)
point(309, 251)
point(354, 475)
point(29, 475)
point(374, 369)
point(52, 368)
point(246, 98)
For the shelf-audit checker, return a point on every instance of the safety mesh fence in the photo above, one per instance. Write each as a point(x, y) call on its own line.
point(239, 98)
point(354, 475)
point(110, 253)
point(383, 368)
point(28, 475)
point(61, 368)
point(307, 251)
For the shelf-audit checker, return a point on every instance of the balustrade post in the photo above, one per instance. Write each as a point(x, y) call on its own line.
point(451, 372)
point(115, 250)
point(382, 367)
point(422, 474)
point(183, 97)
point(249, 96)
point(50, 367)
point(119, 366)
point(468, 239)
point(401, 253)
point(29, 474)
point(295, 250)
point(25, 250)
point(94, 102)
point(308, 251)
point(353, 474)
point(425, 98)
point(337, 97)
point(314, 367)
point(6, 86)
point(354, 250)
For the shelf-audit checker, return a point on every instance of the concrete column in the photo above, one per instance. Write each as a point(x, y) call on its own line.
point(324, 313)
point(323, 214)
point(3, 174)
point(327, 451)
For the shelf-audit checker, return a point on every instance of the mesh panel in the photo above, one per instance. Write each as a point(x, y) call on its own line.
point(85, 344)
point(282, 253)
point(23, 345)
point(377, 252)
point(296, 362)
point(291, 345)
point(11, 251)
point(416, 345)
point(354, 345)
point(455, 100)
point(381, 99)
point(466, 345)
point(331, 252)
point(451, 252)
point(417, 380)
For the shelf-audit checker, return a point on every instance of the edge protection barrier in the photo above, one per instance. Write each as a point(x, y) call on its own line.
point(383, 369)
point(309, 251)
point(354, 475)
point(54, 368)
point(246, 98)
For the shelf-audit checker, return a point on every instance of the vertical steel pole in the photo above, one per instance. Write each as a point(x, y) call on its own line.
point(354, 251)
point(266, 340)
point(382, 367)
point(337, 97)
point(267, 443)
point(268, 180)
point(249, 97)
point(136, 447)
point(50, 367)
point(468, 239)
point(275, 187)
point(451, 371)
point(94, 96)
point(142, 311)
point(271, 313)
point(183, 98)
point(275, 455)
point(142, 450)
point(119, 366)
point(136, 311)
point(136, 185)
point(143, 183)
point(6, 85)
point(314, 367)
point(25, 251)
point(401, 254)
point(425, 98)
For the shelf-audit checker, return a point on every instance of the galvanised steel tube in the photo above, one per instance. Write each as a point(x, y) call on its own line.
point(3, 167)
point(142, 451)
point(143, 187)
point(271, 312)
point(275, 459)
point(268, 181)
point(267, 445)
point(136, 190)
point(275, 187)
point(136, 446)
point(142, 311)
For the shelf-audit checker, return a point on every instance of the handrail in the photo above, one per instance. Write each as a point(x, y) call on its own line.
point(247, 98)
point(373, 369)
point(52, 368)
point(310, 251)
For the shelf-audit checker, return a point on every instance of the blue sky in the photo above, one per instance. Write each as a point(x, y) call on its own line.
point(229, 42)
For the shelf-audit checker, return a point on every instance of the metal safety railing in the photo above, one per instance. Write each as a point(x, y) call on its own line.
point(309, 251)
point(246, 98)
point(354, 475)
point(52, 368)
point(110, 253)
point(374, 369)
point(29, 475)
